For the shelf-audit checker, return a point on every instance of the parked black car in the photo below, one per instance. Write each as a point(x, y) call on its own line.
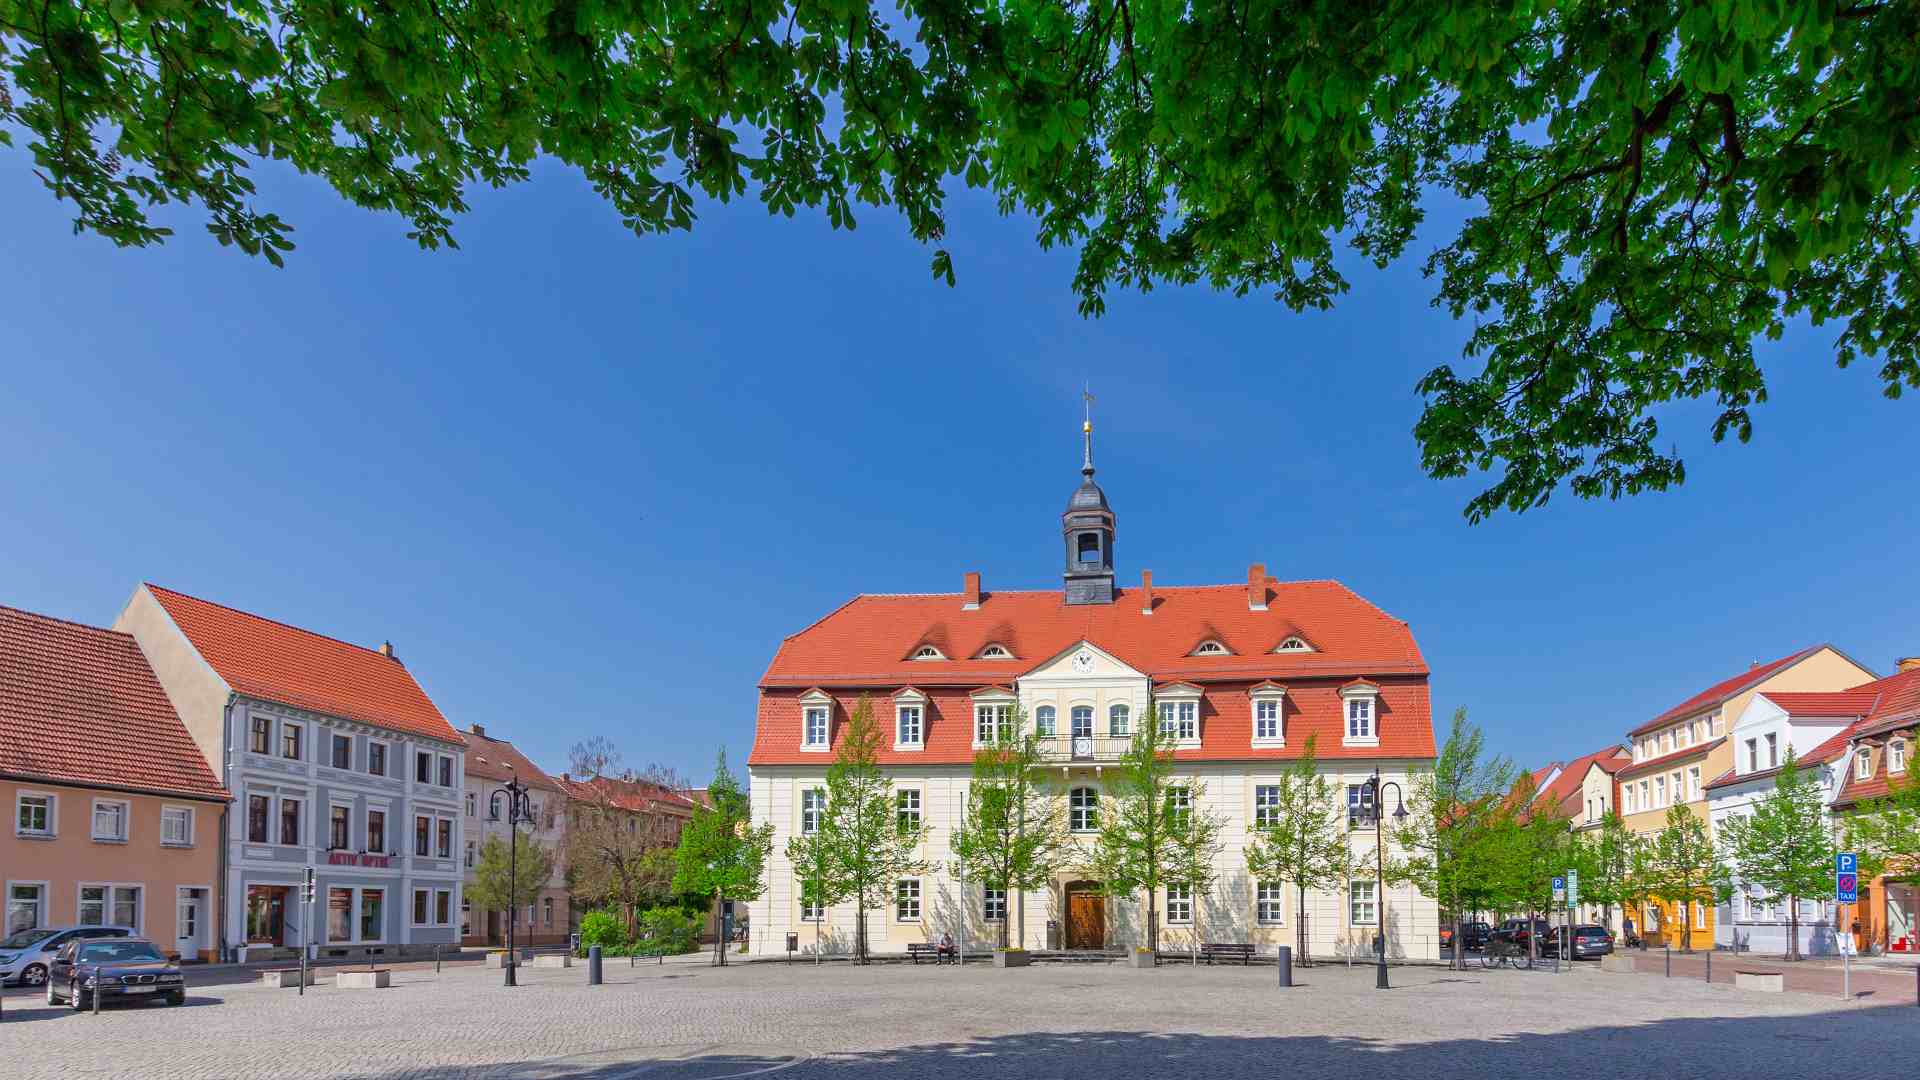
point(122, 968)
point(1520, 931)
point(1473, 936)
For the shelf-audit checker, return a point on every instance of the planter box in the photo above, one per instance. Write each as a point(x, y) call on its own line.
point(1139, 959)
point(284, 977)
point(377, 979)
point(553, 960)
point(1768, 982)
point(1011, 958)
point(1617, 963)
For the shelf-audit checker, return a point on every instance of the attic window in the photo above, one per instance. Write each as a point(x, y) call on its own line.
point(1210, 647)
point(1294, 644)
point(995, 652)
point(928, 652)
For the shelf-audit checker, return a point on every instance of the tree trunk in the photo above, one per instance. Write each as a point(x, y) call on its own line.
point(1793, 927)
point(860, 933)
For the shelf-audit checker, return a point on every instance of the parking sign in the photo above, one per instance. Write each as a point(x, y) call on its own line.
point(1559, 889)
point(1846, 877)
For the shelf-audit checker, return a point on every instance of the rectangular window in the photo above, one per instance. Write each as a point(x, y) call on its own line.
point(1360, 804)
point(1863, 764)
point(1773, 750)
point(1179, 806)
point(26, 907)
point(443, 907)
point(343, 752)
point(377, 831)
point(422, 906)
point(443, 838)
point(1081, 722)
point(1043, 722)
point(339, 914)
point(470, 854)
point(1360, 718)
point(1266, 719)
point(339, 828)
point(422, 767)
point(257, 813)
point(990, 723)
point(1753, 755)
point(993, 905)
point(1179, 905)
point(546, 909)
point(1266, 805)
point(290, 822)
point(291, 736)
point(110, 821)
point(815, 731)
point(1646, 801)
point(1267, 909)
point(1189, 728)
point(813, 808)
point(1897, 756)
point(33, 815)
point(1659, 791)
point(906, 900)
point(423, 836)
point(1362, 910)
point(372, 926)
point(809, 912)
point(1693, 784)
point(260, 741)
point(110, 905)
point(376, 758)
point(908, 733)
point(907, 810)
point(1119, 721)
point(446, 771)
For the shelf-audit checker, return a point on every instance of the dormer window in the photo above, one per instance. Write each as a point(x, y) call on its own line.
point(910, 720)
point(928, 652)
point(1266, 702)
point(816, 721)
point(1210, 647)
point(995, 652)
point(1178, 707)
point(1296, 643)
point(1360, 703)
point(1863, 764)
point(1897, 756)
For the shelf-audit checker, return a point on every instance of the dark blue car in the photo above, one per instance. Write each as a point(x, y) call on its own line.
point(123, 969)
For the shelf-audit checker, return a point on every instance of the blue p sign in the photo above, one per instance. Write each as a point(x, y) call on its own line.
point(1846, 862)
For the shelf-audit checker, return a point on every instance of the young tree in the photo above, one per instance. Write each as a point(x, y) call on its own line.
point(812, 861)
point(1784, 845)
point(507, 880)
point(1885, 831)
point(1144, 833)
point(1604, 857)
point(1683, 867)
point(1013, 832)
point(721, 853)
point(865, 848)
point(1445, 838)
point(1300, 838)
point(622, 830)
point(1537, 850)
point(1194, 847)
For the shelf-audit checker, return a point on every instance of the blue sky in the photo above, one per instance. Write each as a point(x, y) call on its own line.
point(585, 482)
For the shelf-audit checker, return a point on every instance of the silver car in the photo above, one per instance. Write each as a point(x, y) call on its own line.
point(27, 955)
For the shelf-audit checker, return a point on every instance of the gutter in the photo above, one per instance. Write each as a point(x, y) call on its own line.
point(220, 873)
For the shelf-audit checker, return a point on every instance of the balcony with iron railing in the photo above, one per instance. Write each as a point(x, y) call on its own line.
point(1089, 749)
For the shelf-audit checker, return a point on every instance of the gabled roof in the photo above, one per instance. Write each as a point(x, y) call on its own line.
point(489, 758)
point(79, 705)
point(636, 796)
point(269, 660)
point(1847, 704)
point(1719, 692)
point(1654, 764)
point(1560, 795)
point(862, 642)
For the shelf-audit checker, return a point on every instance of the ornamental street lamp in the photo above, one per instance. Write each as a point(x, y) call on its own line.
point(519, 809)
point(1375, 796)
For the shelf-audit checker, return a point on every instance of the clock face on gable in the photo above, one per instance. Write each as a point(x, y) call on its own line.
point(1083, 662)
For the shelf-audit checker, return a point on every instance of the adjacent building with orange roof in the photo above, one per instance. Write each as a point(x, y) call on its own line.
point(1879, 753)
point(339, 764)
point(1240, 676)
point(116, 817)
point(547, 916)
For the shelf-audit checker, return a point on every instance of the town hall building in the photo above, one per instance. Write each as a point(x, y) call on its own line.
point(1240, 676)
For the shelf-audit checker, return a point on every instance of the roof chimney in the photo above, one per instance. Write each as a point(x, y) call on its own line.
point(478, 730)
point(1146, 592)
point(1907, 663)
point(386, 650)
point(970, 595)
point(1257, 587)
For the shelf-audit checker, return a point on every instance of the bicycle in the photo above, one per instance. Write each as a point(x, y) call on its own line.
point(1506, 954)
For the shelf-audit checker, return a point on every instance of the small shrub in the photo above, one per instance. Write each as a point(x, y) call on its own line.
point(605, 929)
point(668, 930)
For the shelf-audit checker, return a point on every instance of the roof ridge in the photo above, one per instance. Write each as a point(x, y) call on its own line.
point(43, 617)
point(1158, 588)
point(277, 622)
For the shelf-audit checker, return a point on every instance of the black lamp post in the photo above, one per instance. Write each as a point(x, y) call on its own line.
point(519, 809)
point(1377, 797)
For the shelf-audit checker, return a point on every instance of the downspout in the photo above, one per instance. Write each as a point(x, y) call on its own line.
point(223, 951)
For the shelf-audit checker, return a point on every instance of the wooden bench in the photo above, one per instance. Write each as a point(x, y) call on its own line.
point(918, 949)
point(1242, 951)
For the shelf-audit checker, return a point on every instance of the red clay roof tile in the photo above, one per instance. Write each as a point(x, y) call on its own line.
point(1724, 689)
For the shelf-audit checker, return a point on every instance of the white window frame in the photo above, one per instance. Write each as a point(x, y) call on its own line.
point(906, 703)
point(44, 890)
point(1269, 893)
point(992, 713)
point(1372, 901)
point(112, 901)
point(1046, 722)
point(443, 765)
point(1211, 647)
point(996, 651)
point(1083, 819)
point(1896, 756)
point(811, 818)
point(1773, 750)
point(1266, 797)
point(1293, 643)
point(52, 831)
point(126, 821)
point(413, 902)
point(1177, 711)
point(172, 808)
point(473, 803)
point(1122, 712)
point(306, 747)
point(386, 757)
point(1863, 764)
point(1274, 700)
point(1179, 904)
point(906, 891)
point(900, 799)
point(1364, 699)
point(816, 706)
point(993, 904)
point(812, 913)
point(1693, 783)
point(927, 652)
point(1633, 798)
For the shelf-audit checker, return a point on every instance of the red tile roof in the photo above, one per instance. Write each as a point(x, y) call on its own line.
point(1654, 763)
point(638, 796)
point(1896, 707)
point(79, 705)
point(862, 647)
point(867, 640)
point(1561, 795)
point(270, 660)
point(1855, 703)
point(489, 758)
point(1719, 692)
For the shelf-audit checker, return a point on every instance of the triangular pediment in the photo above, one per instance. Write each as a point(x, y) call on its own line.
point(1083, 660)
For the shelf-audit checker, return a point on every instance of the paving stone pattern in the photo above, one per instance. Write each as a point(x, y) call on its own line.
point(684, 1021)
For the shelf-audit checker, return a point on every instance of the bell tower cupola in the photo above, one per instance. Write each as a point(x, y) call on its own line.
point(1088, 528)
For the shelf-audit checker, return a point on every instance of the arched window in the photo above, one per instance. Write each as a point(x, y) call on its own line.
point(1897, 756)
point(1082, 721)
point(995, 652)
point(1863, 764)
point(1210, 647)
point(928, 652)
point(1043, 722)
point(1294, 644)
point(1083, 809)
point(1119, 721)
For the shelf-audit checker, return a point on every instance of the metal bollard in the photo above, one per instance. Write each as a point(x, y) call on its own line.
point(593, 966)
point(436, 959)
point(1668, 950)
point(1286, 966)
point(96, 996)
point(1709, 966)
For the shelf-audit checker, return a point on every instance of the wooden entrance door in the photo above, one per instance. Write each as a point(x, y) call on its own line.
point(1086, 918)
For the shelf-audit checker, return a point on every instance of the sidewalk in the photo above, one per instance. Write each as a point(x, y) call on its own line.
point(1870, 982)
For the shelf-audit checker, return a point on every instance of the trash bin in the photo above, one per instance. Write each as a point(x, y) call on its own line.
point(1053, 934)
